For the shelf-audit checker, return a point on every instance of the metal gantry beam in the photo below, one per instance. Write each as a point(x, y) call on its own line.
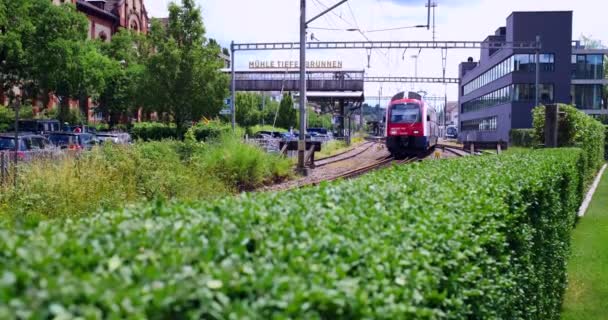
point(259, 46)
point(412, 80)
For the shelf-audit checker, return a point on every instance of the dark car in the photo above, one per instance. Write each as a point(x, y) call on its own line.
point(73, 140)
point(39, 126)
point(451, 132)
point(80, 129)
point(26, 142)
point(267, 135)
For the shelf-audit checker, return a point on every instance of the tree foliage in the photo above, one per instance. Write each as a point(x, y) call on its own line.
point(248, 111)
point(287, 117)
point(123, 92)
point(183, 77)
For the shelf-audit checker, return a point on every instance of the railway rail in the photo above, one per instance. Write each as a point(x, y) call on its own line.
point(341, 156)
point(374, 166)
point(459, 152)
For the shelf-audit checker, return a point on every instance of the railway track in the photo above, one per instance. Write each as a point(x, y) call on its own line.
point(459, 152)
point(382, 163)
point(341, 156)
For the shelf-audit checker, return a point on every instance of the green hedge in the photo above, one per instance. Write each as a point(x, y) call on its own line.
point(523, 138)
point(153, 131)
point(471, 238)
point(576, 129)
point(606, 143)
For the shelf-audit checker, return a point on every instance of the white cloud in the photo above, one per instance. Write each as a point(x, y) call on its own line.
point(277, 20)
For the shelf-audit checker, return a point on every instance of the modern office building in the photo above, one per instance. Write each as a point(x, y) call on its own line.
point(498, 92)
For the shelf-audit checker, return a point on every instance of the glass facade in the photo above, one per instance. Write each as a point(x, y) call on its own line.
point(527, 62)
point(521, 92)
point(500, 96)
point(518, 62)
point(588, 96)
point(484, 124)
point(497, 72)
point(527, 92)
point(588, 66)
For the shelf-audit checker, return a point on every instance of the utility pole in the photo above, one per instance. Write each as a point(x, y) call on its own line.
point(433, 6)
point(415, 57)
point(17, 105)
point(537, 81)
point(302, 137)
point(303, 26)
point(233, 96)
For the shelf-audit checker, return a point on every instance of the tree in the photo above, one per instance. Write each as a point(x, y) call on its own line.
point(316, 120)
point(287, 117)
point(63, 61)
point(183, 77)
point(16, 27)
point(248, 109)
point(123, 91)
point(591, 43)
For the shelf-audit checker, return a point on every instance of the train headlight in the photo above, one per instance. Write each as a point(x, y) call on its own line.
point(416, 132)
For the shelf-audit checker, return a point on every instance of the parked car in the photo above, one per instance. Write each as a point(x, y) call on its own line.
point(320, 134)
point(28, 145)
point(114, 137)
point(451, 132)
point(73, 140)
point(80, 129)
point(267, 135)
point(39, 126)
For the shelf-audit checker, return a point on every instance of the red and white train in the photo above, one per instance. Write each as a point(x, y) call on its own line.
point(411, 125)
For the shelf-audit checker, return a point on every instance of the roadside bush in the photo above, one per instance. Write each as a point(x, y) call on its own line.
point(244, 166)
point(606, 143)
point(112, 176)
point(471, 238)
point(576, 129)
point(153, 131)
point(523, 138)
point(213, 130)
point(7, 116)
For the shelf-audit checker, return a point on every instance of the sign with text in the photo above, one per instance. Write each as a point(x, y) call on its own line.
point(316, 64)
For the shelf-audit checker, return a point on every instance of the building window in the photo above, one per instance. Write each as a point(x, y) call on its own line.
point(587, 96)
point(527, 62)
point(500, 96)
point(588, 66)
point(524, 92)
point(498, 71)
point(485, 124)
point(518, 62)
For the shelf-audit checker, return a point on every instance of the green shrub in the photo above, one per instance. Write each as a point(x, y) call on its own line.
point(576, 129)
point(153, 131)
point(523, 138)
point(7, 116)
point(471, 238)
point(606, 143)
point(244, 165)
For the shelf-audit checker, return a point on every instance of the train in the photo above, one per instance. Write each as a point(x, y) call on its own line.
point(411, 125)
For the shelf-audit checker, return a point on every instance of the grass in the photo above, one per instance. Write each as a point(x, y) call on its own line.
point(587, 293)
point(110, 177)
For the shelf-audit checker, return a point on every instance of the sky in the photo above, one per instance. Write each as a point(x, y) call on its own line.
point(278, 21)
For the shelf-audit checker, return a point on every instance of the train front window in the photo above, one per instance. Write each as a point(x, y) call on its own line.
point(405, 113)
